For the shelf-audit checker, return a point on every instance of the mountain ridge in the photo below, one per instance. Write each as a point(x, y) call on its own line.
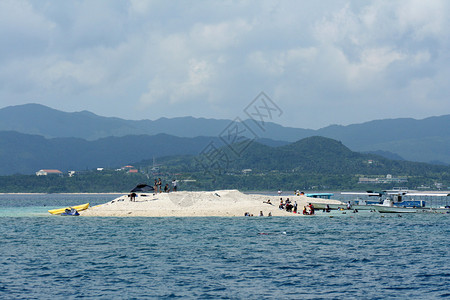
point(402, 136)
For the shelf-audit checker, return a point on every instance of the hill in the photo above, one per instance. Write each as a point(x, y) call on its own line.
point(310, 164)
point(426, 140)
point(25, 153)
point(51, 123)
point(320, 155)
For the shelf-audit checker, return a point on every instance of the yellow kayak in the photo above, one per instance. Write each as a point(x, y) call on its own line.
point(59, 211)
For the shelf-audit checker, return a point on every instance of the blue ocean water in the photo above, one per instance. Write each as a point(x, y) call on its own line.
point(352, 256)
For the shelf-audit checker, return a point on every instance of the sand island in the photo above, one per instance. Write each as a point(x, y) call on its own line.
point(220, 203)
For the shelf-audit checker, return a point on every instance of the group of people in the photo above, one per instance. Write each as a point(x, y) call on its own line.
point(309, 209)
point(261, 214)
point(159, 189)
point(288, 206)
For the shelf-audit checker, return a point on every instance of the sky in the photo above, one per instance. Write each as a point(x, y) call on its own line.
point(321, 62)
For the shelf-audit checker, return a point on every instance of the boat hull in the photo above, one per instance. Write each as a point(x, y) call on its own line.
point(343, 206)
point(59, 211)
point(393, 209)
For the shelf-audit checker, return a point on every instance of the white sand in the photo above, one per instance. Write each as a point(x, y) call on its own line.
point(222, 203)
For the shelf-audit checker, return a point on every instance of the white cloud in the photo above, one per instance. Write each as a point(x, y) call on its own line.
point(211, 58)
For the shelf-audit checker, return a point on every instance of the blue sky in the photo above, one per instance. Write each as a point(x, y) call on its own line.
point(321, 62)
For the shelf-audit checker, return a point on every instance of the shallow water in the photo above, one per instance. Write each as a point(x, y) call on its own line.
point(364, 255)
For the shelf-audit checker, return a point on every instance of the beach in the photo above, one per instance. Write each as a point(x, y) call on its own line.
point(220, 203)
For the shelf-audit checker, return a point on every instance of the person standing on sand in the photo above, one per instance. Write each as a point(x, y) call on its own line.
point(174, 185)
point(159, 185)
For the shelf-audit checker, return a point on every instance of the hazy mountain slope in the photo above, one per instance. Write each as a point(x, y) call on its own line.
point(314, 155)
point(48, 122)
point(426, 140)
point(51, 123)
point(26, 154)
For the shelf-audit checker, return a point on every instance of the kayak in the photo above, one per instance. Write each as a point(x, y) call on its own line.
point(59, 211)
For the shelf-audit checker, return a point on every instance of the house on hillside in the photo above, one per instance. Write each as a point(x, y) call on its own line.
point(46, 172)
point(125, 168)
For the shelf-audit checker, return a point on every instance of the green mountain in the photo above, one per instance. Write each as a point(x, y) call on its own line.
point(25, 154)
point(322, 156)
point(311, 163)
point(426, 140)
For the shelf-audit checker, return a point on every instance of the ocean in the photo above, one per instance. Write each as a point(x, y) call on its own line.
point(328, 256)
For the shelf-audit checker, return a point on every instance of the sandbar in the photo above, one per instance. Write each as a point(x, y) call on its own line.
point(220, 203)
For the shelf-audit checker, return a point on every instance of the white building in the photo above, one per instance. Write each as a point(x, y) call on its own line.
point(46, 172)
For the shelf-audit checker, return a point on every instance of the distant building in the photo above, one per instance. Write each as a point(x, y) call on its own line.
point(100, 169)
point(46, 172)
point(246, 171)
point(71, 173)
point(132, 171)
point(388, 179)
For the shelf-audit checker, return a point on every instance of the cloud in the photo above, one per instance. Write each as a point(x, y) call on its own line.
point(333, 61)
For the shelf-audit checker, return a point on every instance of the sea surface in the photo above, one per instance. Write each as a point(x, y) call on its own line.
point(328, 256)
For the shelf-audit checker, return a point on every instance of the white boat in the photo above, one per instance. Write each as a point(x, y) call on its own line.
point(392, 201)
point(396, 204)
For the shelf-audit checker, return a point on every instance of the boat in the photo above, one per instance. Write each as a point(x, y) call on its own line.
point(403, 201)
point(320, 195)
point(59, 211)
point(334, 204)
point(392, 201)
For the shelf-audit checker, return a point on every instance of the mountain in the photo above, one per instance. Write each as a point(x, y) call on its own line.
point(25, 153)
point(312, 155)
point(51, 123)
point(426, 140)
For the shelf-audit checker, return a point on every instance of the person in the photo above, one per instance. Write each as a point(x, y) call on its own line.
point(174, 185)
point(261, 214)
point(289, 206)
point(349, 206)
point(159, 185)
point(133, 197)
point(311, 207)
point(166, 188)
point(270, 214)
point(268, 202)
point(295, 207)
point(304, 210)
point(279, 192)
point(281, 206)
